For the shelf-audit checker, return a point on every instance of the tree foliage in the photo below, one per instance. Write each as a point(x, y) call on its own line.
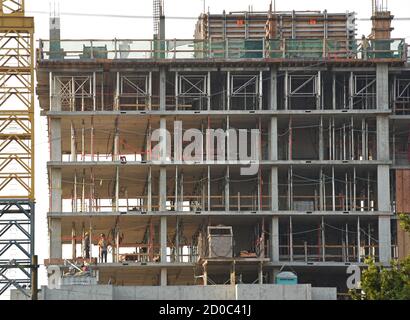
point(386, 283)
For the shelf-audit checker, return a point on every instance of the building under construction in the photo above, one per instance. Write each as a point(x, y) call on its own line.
point(331, 114)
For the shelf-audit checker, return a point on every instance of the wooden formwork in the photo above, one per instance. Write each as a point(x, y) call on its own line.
point(403, 206)
point(278, 25)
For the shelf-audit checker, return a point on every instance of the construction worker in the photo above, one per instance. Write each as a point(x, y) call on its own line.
point(365, 47)
point(86, 246)
point(103, 245)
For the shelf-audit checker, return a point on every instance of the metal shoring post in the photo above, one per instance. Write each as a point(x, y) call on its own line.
point(290, 142)
point(208, 93)
point(319, 90)
point(333, 190)
point(92, 138)
point(260, 90)
point(346, 193)
point(347, 242)
point(72, 98)
point(83, 141)
point(334, 91)
point(95, 91)
point(289, 195)
point(117, 242)
point(394, 148)
point(117, 91)
point(228, 89)
point(344, 141)
point(291, 186)
point(209, 188)
point(73, 241)
point(368, 191)
point(369, 240)
point(367, 141)
point(354, 189)
point(352, 87)
point(149, 190)
point(330, 140)
point(291, 238)
point(75, 192)
point(286, 89)
point(321, 189)
point(102, 91)
point(176, 90)
point(323, 240)
point(358, 240)
point(83, 193)
point(364, 139)
point(117, 188)
point(333, 139)
point(176, 203)
point(150, 91)
point(259, 191)
point(321, 141)
point(177, 240)
point(353, 156)
point(324, 191)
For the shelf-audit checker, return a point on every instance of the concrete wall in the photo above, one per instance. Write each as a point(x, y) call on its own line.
point(98, 292)
point(238, 292)
point(18, 295)
point(273, 292)
point(324, 293)
point(175, 293)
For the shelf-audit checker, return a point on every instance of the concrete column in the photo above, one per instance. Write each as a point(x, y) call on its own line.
point(73, 145)
point(273, 139)
point(163, 239)
point(383, 172)
point(162, 88)
point(56, 192)
point(382, 80)
point(73, 241)
point(274, 190)
point(383, 148)
point(55, 139)
point(56, 249)
point(163, 139)
point(274, 239)
point(383, 188)
point(164, 277)
point(55, 90)
point(163, 170)
point(273, 156)
point(385, 239)
point(116, 155)
point(162, 189)
point(273, 102)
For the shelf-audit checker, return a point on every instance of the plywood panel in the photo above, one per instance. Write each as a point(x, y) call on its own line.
point(403, 242)
point(403, 206)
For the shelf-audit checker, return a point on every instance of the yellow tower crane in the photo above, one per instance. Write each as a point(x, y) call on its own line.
point(16, 147)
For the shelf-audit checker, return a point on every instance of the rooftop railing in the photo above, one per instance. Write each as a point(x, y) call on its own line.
point(234, 49)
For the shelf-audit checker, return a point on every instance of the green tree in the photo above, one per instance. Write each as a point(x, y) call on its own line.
point(382, 283)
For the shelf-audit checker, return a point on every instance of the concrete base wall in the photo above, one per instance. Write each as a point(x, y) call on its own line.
point(273, 292)
point(238, 292)
point(324, 293)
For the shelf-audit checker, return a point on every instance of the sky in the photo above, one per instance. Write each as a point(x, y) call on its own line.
point(78, 27)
